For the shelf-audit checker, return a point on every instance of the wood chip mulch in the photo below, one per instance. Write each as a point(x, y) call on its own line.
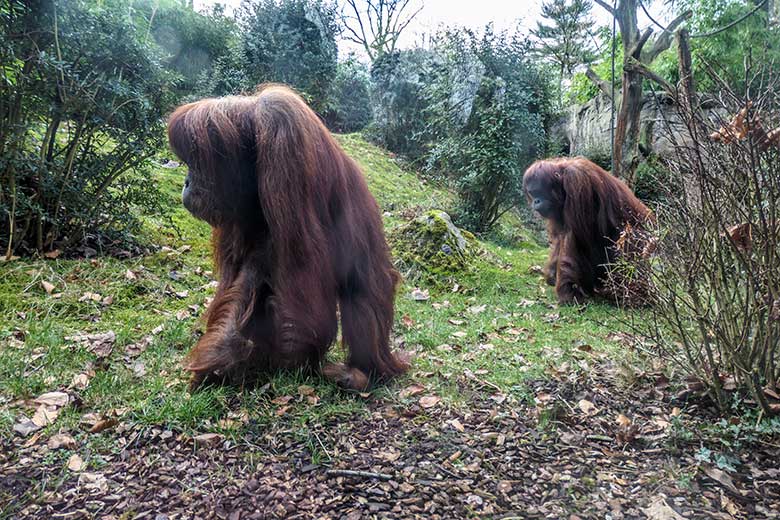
point(585, 448)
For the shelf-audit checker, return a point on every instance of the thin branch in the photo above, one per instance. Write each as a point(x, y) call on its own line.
point(732, 24)
point(664, 40)
point(355, 473)
point(636, 50)
point(606, 6)
point(633, 64)
point(603, 86)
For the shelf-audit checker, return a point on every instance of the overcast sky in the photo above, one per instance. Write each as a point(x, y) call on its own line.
point(476, 14)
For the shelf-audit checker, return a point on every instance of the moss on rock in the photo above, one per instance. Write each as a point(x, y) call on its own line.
point(431, 246)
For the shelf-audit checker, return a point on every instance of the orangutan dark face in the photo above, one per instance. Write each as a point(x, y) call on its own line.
point(546, 196)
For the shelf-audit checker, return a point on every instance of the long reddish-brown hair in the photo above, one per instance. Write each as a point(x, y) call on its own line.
point(299, 207)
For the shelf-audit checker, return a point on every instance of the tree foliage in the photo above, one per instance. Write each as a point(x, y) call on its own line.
point(488, 103)
point(82, 96)
point(350, 97)
point(194, 43)
point(566, 40)
point(291, 42)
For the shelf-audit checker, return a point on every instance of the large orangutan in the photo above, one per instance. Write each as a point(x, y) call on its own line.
point(587, 209)
point(297, 241)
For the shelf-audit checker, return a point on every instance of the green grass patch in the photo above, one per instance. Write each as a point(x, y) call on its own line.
point(492, 332)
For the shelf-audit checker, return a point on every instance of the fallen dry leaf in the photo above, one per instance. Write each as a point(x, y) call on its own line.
point(103, 424)
point(130, 275)
point(100, 344)
point(139, 369)
point(411, 390)
point(208, 440)
point(58, 399)
point(420, 295)
point(390, 455)
point(282, 399)
point(45, 415)
point(407, 321)
point(24, 426)
point(80, 381)
point(94, 481)
point(48, 287)
point(429, 401)
point(721, 477)
point(457, 425)
point(729, 505)
point(51, 255)
point(623, 421)
point(660, 510)
point(305, 390)
point(76, 463)
point(61, 440)
point(95, 297)
point(587, 407)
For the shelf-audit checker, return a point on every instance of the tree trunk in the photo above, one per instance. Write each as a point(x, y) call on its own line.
point(625, 156)
point(625, 151)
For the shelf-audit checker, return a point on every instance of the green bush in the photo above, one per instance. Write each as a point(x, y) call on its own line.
point(350, 98)
point(292, 42)
point(398, 83)
point(195, 45)
point(83, 94)
point(488, 105)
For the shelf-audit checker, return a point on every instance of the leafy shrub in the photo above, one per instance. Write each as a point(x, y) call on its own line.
point(715, 273)
point(292, 42)
point(83, 95)
point(728, 48)
point(350, 97)
point(398, 81)
point(194, 44)
point(488, 104)
point(227, 76)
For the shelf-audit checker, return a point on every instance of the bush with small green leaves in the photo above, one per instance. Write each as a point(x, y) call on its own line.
point(350, 97)
point(488, 107)
point(292, 42)
point(83, 96)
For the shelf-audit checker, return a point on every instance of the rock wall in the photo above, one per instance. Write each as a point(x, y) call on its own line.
point(585, 129)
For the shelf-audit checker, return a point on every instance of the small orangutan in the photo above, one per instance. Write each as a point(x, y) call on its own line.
point(588, 212)
point(297, 240)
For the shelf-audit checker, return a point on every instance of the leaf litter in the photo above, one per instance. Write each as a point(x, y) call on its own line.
point(502, 457)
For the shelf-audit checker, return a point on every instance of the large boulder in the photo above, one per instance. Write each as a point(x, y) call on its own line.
point(430, 246)
point(585, 129)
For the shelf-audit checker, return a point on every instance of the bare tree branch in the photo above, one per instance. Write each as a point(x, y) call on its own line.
point(664, 40)
point(636, 65)
point(603, 86)
point(636, 50)
point(379, 24)
point(358, 38)
point(606, 6)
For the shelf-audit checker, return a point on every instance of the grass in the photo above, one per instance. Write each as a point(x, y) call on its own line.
point(498, 329)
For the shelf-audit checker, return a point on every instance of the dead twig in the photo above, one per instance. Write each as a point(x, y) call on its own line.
point(359, 474)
